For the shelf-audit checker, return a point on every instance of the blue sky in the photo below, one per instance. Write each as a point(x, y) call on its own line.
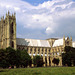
point(36, 2)
point(42, 19)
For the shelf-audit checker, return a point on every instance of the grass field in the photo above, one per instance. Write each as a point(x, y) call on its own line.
point(39, 71)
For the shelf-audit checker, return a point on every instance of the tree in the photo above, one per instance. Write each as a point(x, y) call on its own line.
point(18, 58)
point(11, 56)
point(25, 58)
point(3, 62)
point(68, 57)
point(38, 61)
point(56, 61)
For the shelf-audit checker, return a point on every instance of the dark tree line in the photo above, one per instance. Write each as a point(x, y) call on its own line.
point(10, 57)
point(68, 57)
point(38, 61)
point(19, 58)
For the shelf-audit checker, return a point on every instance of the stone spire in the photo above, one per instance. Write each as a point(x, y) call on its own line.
point(8, 13)
point(63, 37)
point(71, 38)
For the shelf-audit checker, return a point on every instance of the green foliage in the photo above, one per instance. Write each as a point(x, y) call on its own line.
point(25, 58)
point(2, 58)
point(56, 61)
point(38, 61)
point(18, 58)
point(10, 57)
point(68, 58)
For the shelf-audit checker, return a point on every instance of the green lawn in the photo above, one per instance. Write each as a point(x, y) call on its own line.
point(39, 71)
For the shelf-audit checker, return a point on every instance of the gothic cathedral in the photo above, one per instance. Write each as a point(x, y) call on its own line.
point(48, 49)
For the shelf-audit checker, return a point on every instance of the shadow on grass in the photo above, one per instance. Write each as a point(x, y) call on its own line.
point(36, 73)
point(4, 70)
point(73, 73)
point(1, 70)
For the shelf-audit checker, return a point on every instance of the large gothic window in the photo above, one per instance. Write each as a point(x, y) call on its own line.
point(12, 44)
point(12, 29)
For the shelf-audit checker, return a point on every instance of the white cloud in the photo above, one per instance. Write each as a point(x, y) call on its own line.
point(49, 30)
point(16, 8)
point(49, 16)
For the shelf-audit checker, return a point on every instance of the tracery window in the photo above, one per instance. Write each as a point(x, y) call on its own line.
point(34, 50)
point(12, 44)
point(49, 50)
point(42, 51)
point(12, 29)
point(30, 50)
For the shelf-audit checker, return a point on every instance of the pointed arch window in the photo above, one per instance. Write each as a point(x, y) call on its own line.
point(12, 44)
point(12, 29)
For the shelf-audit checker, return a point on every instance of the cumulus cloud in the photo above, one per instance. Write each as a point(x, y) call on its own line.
point(49, 30)
point(51, 18)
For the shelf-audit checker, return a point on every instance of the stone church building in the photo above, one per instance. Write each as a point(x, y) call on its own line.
point(48, 49)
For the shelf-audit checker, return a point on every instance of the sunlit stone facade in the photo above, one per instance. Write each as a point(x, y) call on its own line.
point(8, 31)
point(48, 49)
